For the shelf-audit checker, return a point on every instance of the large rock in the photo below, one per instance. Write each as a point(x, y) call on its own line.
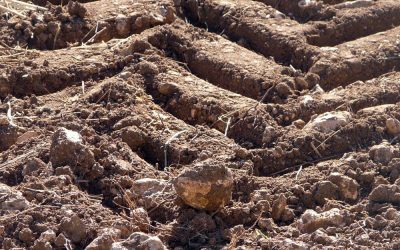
point(11, 199)
point(329, 121)
point(311, 220)
point(139, 241)
point(205, 186)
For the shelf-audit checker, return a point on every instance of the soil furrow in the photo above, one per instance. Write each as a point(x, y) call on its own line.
point(361, 59)
point(351, 24)
point(158, 135)
point(356, 96)
point(301, 11)
point(230, 66)
point(42, 72)
point(86, 23)
point(310, 144)
point(199, 102)
point(255, 25)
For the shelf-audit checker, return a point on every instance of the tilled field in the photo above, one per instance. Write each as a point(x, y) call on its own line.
point(200, 124)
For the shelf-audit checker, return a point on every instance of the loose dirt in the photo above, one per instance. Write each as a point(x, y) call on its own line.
point(207, 124)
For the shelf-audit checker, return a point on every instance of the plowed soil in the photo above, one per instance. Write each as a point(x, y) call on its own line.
point(104, 104)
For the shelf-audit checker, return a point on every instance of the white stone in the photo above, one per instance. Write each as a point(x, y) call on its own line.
point(329, 121)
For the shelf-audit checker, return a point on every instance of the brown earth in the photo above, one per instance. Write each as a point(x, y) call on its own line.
point(200, 124)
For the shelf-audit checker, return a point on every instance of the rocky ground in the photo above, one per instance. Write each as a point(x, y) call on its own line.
point(207, 124)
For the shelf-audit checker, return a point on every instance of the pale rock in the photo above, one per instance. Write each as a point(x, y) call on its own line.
point(382, 153)
point(348, 187)
point(329, 121)
point(311, 220)
point(13, 199)
point(139, 241)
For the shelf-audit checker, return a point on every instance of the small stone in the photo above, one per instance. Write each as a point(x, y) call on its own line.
point(392, 214)
point(283, 89)
point(148, 186)
point(325, 190)
point(393, 126)
point(8, 133)
point(74, 228)
point(4, 121)
point(48, 235)
point(141, 219)
point(134, 137)
point(167, 88)
point(147, 68)
point(125, 75)
point(269, 134)
point(139, 241)
point(294, 245)
point(26, 235)
point(60, 241)
point(288, 215)
point(12, 199)
point(40, 245)
point(267, 224)
point(311, 220)
point(76, 9)
point(105, 240)
point(263, 206)
point(122, 25)
point(67, 148)
point(147, 191)
point(205, 186)
point(312, 80)
point(329, 121)
point(299, 124)
point(301, 83)
point(278, 207)
point(32, 166)
point(322, 238)
point(348, 187)
point(382, 153)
